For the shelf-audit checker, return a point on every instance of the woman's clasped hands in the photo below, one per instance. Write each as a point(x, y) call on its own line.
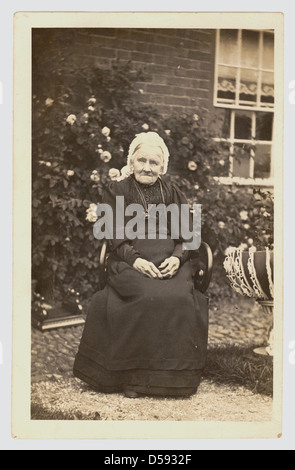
point(166, 270)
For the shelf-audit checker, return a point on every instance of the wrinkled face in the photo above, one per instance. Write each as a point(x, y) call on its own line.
point(147, 164)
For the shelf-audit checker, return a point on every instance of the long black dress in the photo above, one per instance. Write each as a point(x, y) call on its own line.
point(144, 334)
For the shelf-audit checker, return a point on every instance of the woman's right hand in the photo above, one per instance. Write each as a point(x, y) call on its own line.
point(147, 268)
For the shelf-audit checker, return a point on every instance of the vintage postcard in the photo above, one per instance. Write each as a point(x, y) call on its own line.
point(148, 232)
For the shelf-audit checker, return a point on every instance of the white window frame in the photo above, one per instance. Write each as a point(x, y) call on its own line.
point(225, 103)
point(238, 107)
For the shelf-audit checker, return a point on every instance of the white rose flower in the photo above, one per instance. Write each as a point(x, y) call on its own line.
point(109, 139)
point(168, 132)
point(114, 174)
point(80, 307)
point(48, 164)
point(71, 119)
point(197, 187)
point(106, 131)
point(91, 213)
point(95, 178)
point(192, 166)
point(221, 162)
point(195, 117)
point(85, 117)
point(49, 102)
point(91, 218)
point(221, 224)
point(95, 172)
point(92, 100)
point(106, 156)
point(145, 127)
point(91, 108)
point(244, 215)
point(246, 226)
point(250, 241)
point(70, 173)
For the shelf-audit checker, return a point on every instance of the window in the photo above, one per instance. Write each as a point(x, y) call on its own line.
point(244, 69)
point(244, 87)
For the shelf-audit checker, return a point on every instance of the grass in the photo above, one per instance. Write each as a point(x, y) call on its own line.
point(238, 366)
point(39, 413)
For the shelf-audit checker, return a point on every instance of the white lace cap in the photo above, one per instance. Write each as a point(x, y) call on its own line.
point(149, 138)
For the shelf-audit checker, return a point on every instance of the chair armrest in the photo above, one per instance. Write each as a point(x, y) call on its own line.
point(103, 265)
point(202, 276)
point(203, 273)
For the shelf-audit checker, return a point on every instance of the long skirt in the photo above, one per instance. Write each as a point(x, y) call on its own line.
point(145, 335)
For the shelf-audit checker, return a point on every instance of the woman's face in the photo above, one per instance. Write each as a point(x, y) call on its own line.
point(147, 164)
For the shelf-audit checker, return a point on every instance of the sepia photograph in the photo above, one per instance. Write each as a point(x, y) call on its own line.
point(148, 193)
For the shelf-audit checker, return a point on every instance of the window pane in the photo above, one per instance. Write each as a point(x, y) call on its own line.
point(227, 83)
point(219, 125)
point(264, 123)
point(268, 51)
point(250, 49)
point(267, 88)
point(248, 86)
point(262, 161)
point(228, 49)
point(241, 161)
point(243, 125)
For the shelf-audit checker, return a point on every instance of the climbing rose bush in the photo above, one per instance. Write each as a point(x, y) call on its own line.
point(83, 122)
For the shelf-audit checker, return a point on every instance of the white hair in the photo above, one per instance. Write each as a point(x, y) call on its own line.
point(149, 138)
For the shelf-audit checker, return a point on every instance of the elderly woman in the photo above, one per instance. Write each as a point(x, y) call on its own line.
point(146, 332)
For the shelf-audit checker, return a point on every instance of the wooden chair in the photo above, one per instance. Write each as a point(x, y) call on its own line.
point(202, 264)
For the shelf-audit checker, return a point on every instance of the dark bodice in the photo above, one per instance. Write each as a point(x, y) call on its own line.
point(134, 192)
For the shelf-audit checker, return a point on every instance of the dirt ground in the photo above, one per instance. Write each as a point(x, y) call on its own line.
point(211, 403)
point(56, 394)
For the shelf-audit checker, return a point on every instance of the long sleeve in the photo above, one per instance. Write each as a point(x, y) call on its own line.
point(179, 199)
point(127, 253)
point(181, 254)
point(121, 246)
point(112, 192)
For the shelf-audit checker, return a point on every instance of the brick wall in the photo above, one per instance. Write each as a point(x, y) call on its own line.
point(179, 64)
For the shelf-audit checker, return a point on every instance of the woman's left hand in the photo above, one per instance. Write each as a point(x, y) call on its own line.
point(170, 267)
